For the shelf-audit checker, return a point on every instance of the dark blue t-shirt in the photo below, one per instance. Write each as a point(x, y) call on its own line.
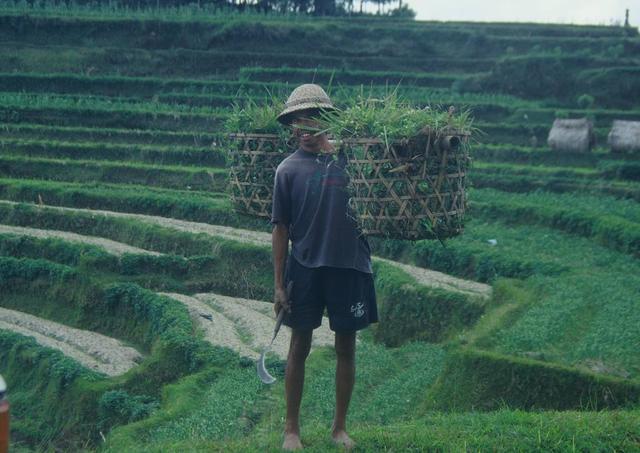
point(310, 197)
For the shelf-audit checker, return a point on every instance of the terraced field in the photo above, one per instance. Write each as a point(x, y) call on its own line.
point(135, 300)
point(94, 351)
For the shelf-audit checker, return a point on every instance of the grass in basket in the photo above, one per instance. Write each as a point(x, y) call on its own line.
point(391, 119)
point(249, 117)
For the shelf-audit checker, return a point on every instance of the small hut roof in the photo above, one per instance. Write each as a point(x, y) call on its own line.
point(571, 135)
point(625, 136)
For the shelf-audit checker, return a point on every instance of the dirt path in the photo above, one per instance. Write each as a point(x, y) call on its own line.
point(255, 321)
point(444, 281)
point(93, 350)
point(116, 248)
point(323, 336)
point(220, 330)
point(244, 325)
point(423, 276)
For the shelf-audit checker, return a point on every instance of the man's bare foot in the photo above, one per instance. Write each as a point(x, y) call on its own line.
point(341, 437)
point(292, 442)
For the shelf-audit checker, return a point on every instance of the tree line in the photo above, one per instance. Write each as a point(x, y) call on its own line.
point(397, 8)
point(330, 7)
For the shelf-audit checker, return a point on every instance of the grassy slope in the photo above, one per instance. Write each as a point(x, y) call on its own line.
point(383, 422)
point(379, 410)
point(385, 414)
point(586, 312)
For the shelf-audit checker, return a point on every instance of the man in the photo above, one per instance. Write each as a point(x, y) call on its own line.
point(329, 264)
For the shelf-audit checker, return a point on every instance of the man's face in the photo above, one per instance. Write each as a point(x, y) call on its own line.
point(306, 129)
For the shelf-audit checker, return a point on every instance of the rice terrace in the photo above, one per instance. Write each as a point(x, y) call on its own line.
point(138, 148)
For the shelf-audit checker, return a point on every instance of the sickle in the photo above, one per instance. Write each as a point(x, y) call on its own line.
point(263, 374)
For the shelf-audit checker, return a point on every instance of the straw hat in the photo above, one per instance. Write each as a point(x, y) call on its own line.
point(307, 96)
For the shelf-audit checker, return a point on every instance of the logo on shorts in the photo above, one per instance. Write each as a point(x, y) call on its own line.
point(357, 310)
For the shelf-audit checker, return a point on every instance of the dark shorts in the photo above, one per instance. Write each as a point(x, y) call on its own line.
point(349, 296)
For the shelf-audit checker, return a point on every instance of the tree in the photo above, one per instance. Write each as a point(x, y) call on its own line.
point(301, 6)
point(324, 7)
point(404, 12)
point(348, 6)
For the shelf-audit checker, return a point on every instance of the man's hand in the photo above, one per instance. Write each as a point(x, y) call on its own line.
point(281, 300)
point(326, 145)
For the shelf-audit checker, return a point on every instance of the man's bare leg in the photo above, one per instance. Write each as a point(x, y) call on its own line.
point(345, 379)
point(299, 348)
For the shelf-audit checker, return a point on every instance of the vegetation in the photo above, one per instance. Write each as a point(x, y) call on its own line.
point(76, 170)
point(391, 118)
point(70, 394)
point(251, 117)
point(111, 107)
point(226, 7)
point(476, 380)
point(430, 315)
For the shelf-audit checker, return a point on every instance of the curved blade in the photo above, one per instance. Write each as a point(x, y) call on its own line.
point(263, 374)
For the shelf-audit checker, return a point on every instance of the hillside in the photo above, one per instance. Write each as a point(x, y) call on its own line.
point(116, 228)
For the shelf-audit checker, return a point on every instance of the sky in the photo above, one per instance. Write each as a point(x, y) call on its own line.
point(598, 12)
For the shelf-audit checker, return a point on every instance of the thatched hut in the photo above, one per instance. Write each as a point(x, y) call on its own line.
point(572, 135)
point(624, 136)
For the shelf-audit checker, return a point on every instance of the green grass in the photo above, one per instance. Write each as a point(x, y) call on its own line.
point(162, 154)
point(324, 76)
point(408, 310)
point(503, 430)
point(189, 205)
point(103, 94)
point(541, 155)
point(380, 418)
point(106, 136)
point(557, 256)
point(237, 405)
point(575, 305)
point(595, 205)
point(224, 91)
point(614, 224)
point(530, 182)
point(83, 171)
point(226, 410)
point(69, 101)
point(63, 395)
point(474, 380)
point(586, 313)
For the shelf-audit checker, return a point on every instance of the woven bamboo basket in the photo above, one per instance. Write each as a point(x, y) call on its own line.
point(411, 188)
point(252, 168)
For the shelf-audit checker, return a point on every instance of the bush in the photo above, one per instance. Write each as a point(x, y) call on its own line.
point(118, 407)
point(609, 230)
point(585, 101)
point(412, 312)
point(480, 380)
point(68, 400)
point(48, 385)
point(531, 77)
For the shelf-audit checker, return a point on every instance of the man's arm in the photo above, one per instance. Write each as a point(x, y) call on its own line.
point(280, 217)
point(280, 246)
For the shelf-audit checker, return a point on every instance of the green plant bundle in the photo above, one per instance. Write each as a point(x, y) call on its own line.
point(393, 165)
point(400, 127)
point(251, 117)
point(391, 117)
point(252, 158)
